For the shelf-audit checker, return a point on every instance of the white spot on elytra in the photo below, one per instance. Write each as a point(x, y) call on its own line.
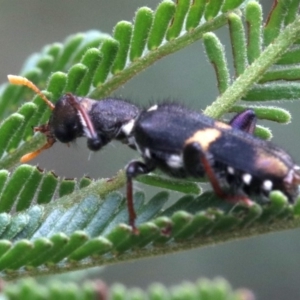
point(230, 170)
point(247, 178)
point(154, 107)
point(127, 128)
point(267, 185)
point(174, 161)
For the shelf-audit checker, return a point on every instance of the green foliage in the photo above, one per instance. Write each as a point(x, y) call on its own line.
point(84, 226)
point(217, 289)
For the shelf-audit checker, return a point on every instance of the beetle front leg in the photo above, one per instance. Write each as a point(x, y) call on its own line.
point(95, 143)
point(133, 169)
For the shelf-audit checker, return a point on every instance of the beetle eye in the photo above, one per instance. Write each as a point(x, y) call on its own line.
point(64, 136)
point(67, 132)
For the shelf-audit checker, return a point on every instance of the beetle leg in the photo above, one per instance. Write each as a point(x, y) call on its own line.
point(196, 159)
point(244, 121)
point(134, 169)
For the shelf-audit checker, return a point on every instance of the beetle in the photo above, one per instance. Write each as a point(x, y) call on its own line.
point(179, 141)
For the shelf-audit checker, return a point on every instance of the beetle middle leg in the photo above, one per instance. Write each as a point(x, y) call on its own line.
point(133, 169)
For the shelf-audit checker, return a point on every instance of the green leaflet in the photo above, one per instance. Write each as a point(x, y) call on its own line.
point(216, 289)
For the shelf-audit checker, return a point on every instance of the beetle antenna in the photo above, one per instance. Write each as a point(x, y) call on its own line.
point(19, 80)
point(31, 155)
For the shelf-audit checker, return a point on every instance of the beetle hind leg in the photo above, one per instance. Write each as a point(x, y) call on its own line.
point(195, 159)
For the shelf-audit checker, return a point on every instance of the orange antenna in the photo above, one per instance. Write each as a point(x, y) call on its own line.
point(29, 156)
point(44, 129)
point(19, 80)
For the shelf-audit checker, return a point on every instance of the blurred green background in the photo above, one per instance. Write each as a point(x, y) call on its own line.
point(269, 264)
